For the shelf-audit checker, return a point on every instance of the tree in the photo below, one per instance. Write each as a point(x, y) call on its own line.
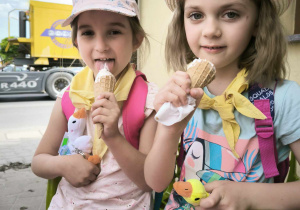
point(12, 52)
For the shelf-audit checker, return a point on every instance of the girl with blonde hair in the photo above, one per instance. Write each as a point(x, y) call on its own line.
point(245, 42)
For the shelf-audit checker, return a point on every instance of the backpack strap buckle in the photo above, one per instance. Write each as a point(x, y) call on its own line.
point(265, 134)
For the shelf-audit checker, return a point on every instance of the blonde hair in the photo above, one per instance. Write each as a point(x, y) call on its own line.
point(264, 58)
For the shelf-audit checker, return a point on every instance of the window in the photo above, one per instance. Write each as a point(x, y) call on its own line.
point(296, 36)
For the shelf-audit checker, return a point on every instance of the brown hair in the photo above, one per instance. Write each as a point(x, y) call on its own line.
point(136, 29)
point(264, 58)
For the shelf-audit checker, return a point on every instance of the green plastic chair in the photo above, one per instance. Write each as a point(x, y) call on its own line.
point(292, 175)
point(51, 190)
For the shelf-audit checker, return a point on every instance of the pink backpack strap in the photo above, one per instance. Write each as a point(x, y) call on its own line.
point(265, 133)
point(134, 109)
point(66, 104)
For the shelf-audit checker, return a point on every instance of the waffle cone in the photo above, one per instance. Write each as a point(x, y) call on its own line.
point(202, 72)
point(106, 83)
point(99, 146)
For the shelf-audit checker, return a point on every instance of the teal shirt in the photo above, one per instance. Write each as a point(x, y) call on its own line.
point(208, 156)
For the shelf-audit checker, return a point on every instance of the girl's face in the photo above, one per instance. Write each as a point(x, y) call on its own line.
point(219, 30)
point(105, 37)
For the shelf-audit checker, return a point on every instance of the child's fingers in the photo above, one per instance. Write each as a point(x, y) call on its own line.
point(174, 99)
point(215, 196)
point(106, 95)
point(211, 201)
point(178, 96)
point(96, 170)
point(182, 79)
point(197, 94)
point(92, 177)
point(167, 97)
point(101, 111)
point(103, 115)
point(105, 100)
point(175, 91)
point(210, 186)
point(106, 108)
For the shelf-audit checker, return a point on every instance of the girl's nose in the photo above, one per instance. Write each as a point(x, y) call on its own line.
point(212, 28)
point(101, 44)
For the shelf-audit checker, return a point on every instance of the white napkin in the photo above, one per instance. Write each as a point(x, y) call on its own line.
point(169, 114)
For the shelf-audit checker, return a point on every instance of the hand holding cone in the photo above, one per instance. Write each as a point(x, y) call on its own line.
point(104, 82)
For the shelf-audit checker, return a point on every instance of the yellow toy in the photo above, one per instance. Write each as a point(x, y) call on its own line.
point(192, 191)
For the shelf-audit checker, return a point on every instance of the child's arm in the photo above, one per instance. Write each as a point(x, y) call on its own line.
point(47, 164)
point(160, 162)
point(105, 110)
point(242, 195)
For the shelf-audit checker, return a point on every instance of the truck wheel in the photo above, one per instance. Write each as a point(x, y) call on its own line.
point(56, 82)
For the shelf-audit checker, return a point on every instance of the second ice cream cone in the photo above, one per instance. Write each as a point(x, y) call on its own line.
point(201, 72)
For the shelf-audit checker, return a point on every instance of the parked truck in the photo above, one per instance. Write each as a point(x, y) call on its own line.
point(47, 60)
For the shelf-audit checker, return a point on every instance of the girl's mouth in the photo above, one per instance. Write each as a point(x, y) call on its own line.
point(213, 49)
point(101, 62)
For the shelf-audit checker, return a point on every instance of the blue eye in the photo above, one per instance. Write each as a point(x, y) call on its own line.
point(196, 16)
point(231, 15)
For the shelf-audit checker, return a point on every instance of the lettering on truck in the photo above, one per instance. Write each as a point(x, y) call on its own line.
point(11, 82)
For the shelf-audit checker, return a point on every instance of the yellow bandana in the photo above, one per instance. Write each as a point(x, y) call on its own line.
point(224, 104)
point(82, 87)
point(82, 95)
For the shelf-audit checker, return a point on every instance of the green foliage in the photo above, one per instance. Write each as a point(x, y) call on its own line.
point(12, 52)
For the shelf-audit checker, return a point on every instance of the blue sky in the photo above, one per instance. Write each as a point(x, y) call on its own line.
point(8, 5)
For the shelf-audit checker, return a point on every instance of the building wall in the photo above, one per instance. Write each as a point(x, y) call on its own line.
point(293, 64)
point(155, 17)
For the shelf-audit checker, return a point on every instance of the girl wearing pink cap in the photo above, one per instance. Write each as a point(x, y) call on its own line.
point(106, 33)
point(223, 147)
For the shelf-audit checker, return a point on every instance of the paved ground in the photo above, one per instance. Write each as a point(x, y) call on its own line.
point(20, 189)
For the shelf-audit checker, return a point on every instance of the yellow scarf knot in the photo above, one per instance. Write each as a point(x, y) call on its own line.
point(82, 95)
point(226, 103)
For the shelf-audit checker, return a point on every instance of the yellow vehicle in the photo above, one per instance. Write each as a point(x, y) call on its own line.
point(47, 53)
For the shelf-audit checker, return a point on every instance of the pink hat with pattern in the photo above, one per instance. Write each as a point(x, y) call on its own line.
point(123, 7)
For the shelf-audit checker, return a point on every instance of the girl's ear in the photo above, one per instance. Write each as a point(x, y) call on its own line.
point(75, 43)
point(137, 41)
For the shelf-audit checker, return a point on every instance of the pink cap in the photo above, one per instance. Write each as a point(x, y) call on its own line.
point(124, 7)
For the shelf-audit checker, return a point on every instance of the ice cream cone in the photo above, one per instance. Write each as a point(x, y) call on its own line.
point(202, 72)
point(104, 82)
